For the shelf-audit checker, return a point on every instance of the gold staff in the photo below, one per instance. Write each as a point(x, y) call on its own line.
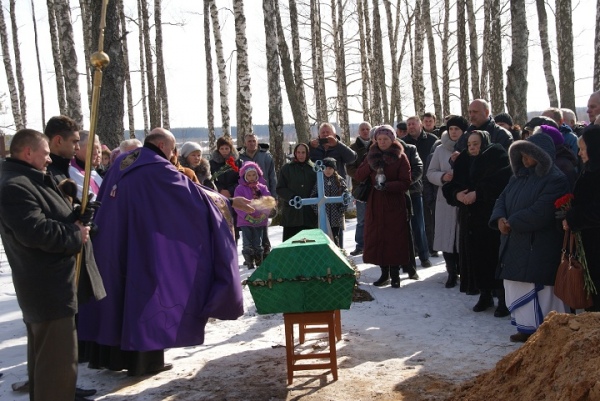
point(99, 60)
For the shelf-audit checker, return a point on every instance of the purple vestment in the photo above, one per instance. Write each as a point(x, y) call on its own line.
point(166, 255)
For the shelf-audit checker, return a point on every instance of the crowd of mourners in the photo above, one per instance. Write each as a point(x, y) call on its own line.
point(481, 191)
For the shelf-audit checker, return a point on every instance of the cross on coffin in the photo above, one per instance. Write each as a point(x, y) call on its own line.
point(321, 200)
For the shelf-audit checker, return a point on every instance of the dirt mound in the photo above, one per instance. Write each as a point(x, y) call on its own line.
point(559, 362)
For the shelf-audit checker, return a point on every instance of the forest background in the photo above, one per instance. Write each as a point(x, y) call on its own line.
point(231, 66)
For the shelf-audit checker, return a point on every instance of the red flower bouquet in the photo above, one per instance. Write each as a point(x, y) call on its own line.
point(229, 165)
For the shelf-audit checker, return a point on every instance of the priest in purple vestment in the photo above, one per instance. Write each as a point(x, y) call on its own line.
point(168, 259)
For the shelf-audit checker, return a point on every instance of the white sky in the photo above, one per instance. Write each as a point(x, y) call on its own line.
point(185, 61)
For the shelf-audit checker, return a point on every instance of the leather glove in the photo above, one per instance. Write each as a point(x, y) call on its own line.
point(560, 214)
point(87, 215)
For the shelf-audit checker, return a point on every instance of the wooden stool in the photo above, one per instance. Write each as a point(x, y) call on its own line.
point(312, 322)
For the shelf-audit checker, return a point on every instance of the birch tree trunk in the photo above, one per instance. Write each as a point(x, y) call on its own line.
point(486, 55)
point(382, 112)
point(39, 64)
point(18, 68)
point(111, 109)
point(473, 50)
point(337, 18)
point(210, 107)
point(364, 41)
point(127, 74)
point(302, 130)
point(275, 101)
point(317, 62)
point(296, 97)
point(446, 61)
point(547, 57)
point(418, 84)
point(516, 75)
point(153, 104)
point(564, 45)
point(407, 30)
point(597, 50)
point(86, 21)
point(435, 88)
point(244, 94)
point(10, 78)
point(68, 55)
point(162, 97)
point(392, 27)
point(221, 67)
point(461, 43)
point(496, 70)
point(58, 68)
point(145, 98)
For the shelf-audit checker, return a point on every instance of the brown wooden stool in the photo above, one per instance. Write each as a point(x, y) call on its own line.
point(312, 322)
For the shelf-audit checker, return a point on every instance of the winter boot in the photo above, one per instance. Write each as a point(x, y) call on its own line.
point(485, 301)
point(451, 268)
point(385, 277)
point(395, 274)
point(258, 259)
point(502, 309)
point(249, 260)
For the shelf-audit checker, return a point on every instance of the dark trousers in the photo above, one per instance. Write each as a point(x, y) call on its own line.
point(418, 227)
point(52, 359)
point(266, 243)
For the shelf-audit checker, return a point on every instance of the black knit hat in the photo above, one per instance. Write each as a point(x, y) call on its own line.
point(504, 118)
point(458, 121)
point(329, 162)
point(540, 120)
point(402, 126)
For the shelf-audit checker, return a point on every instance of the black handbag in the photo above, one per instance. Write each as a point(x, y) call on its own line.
point(361, 191)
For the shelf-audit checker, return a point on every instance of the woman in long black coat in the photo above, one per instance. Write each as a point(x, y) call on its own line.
point(479, 177)
point(584, 215)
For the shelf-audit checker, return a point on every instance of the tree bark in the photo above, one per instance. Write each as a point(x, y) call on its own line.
point(473, 50)
point(597, 51)
point(564, 45)
point(392, 28)
point(446, 61)
point(547, 57)
point(486, 55)
point(18, 68)
point(58, 67)
point(111, 109)
point(275, 101)
point(221, 67)
point(126, 73)
point(317, 62)
point(153, 104)
point(210, 107)
point(68, 55)
point(380, 103)
point(463, 73)
point(364, 41)
point(39, 64)
point(337, 17)
point(162, 97)
point(496, 70)
point(244, 94)
point(10, 78)
point(145, 98)
point(86, 21)
point(302, 130)
point(418, 84)
point(516, 75)
point(435, 88)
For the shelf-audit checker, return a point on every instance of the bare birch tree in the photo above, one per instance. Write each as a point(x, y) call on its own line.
point(516, 75)
point(380, 89)
point(275, 101)
point(18, 67)
point(68, 56)
point(495, 64)
point(221, 67)
point(244, 94)
point(337, 18)
point(364, 41)
point(317, 62)
point(486, 55)
point(418, 83)
point(473, 50)
point(86, 20)
point(145, 98)
point(546, 55)
point(162, 98)
point(435, 88)
point(446, 61)
point(10, 78)
point(597, 50)
point(39, 64)
point(463, 73)
point(302, 129)
point(564, 46)
point(153, 104)
point(58, 69)
point(392, 28)
point(126, 72)
point(210, 107)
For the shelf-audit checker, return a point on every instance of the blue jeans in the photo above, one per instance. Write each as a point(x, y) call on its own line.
point(418, 226)
point(361, 207)
point(252, 240)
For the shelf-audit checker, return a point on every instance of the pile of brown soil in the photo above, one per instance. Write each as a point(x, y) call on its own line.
point(560, 362)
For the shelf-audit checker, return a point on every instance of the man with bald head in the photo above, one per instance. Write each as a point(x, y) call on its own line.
point(593, 106)
point(480, 119)
point(166, 248)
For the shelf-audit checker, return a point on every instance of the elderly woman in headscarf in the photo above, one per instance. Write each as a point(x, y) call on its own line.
point(296, 178)
point(480, 174)
point(584, 215)
point(530, 243)
point(386, 218)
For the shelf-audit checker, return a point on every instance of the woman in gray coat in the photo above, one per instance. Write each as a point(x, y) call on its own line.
point(530, 242)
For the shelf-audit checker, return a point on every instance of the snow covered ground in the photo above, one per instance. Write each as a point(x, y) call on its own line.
point(421, 336)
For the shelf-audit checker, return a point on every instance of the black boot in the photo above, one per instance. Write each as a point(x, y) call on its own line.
point(395, 274)
point(258, 259)
point(385, 277)
point(248, 260)
point(451, 268)
point(485, 301)
point(502, 309)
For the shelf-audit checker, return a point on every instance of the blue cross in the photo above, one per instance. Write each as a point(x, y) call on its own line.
point(321, 200)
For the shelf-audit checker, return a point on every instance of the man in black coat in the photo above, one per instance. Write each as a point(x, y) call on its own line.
point(480, 119)
point(42, 236)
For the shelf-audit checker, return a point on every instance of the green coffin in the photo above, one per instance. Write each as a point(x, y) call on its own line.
point(306, 273)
